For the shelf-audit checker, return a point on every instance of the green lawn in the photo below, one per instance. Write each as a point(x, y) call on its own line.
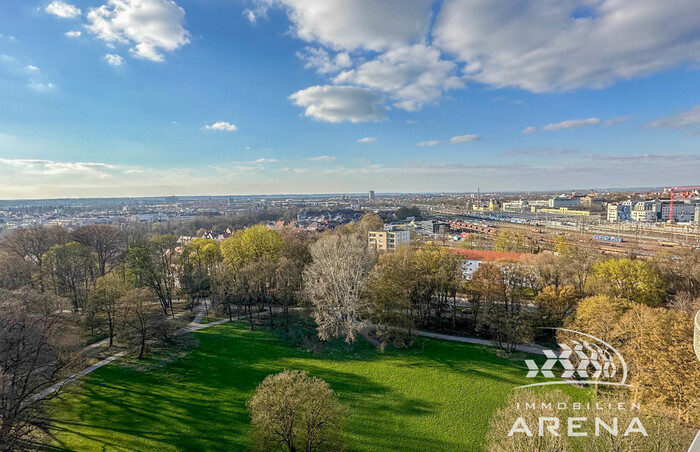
point(435, 396)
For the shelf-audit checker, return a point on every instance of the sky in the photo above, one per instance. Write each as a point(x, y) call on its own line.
point(102, 98)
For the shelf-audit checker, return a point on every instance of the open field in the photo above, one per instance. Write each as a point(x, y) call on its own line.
point(435, 396)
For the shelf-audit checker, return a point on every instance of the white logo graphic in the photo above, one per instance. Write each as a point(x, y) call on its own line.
point(590, 359)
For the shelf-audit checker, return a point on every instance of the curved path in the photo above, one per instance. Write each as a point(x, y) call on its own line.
point(195, 325)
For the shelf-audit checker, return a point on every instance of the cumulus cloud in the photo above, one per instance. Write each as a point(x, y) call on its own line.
point(356, 24)
point(367, 140)
point(340, 103)
point(222, 126)
point(552, 45)
point(322, 158)
point(411, 75)
point(150, 27)
point(73, 33)
point(464, 139)
point(688, 120)
point(320, 60)
point(32, 68)
point(63, 10)
point(430, 143)
point(37, 85)
point(529, 129)
point(113, 59)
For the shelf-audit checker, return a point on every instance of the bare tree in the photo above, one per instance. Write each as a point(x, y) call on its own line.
point(32, 243)
point(335, 282)
point(142, 322)
point(104, 241)
point(34, 347)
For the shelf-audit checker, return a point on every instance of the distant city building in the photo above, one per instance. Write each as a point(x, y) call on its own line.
point(388, 240)
point(618, 212)
point(516, 206)
point(564, 201)
point(682, 212)
point(371, 195)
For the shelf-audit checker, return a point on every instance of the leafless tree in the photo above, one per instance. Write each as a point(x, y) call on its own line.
point(335, 282)
point(34, 347)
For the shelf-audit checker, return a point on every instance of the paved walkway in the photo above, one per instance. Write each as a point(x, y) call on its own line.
point(528, 348)
point(195, 325)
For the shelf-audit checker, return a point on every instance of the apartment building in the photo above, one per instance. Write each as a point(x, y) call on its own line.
point(388, 240)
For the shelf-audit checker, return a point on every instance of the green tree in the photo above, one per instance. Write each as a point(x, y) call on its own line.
point(632, 279)
point(152, 264)
point(292, 411)
point(251, 244)
point(104, 302)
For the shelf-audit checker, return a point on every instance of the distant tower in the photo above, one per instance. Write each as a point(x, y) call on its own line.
point(371, 195)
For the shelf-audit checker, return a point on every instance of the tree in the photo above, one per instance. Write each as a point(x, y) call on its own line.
point(152, 264)
point(292, 411)
point(142, 322)
point(32, 243)
point(632, 279)
point(15, 272)
point(555, 303)
point(390, 289)
point(599, 315)
point(105, 242)
point(251, 244)
point(70, 270)
point(336, 281)
point(657, 344)
point(34, 348)
point(105, 305)
point(509, 426)
point(197, 261)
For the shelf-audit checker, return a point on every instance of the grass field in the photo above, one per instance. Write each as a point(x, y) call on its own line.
point(435, 396)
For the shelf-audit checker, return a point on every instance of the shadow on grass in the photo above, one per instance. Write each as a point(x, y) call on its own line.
point(198, 401)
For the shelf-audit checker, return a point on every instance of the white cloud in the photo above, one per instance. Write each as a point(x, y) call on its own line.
point(615, 121)
point(688, 120)
point(464, 139)
point(430, 143)
point(321, 61)
point(48, 167)
point(32, 68)
point(572, 124)
point(114, 60)
point(322, 158)
point(40, 86)
point(266, 160)
point(411, 75)
point(357, 24)
point(529, 129)
point(151, 27)
point(540, 151)
point(222, 126)
point(73, 33)
point(367, 140)
point(340, 103)
point(63, 10)
point(551, 45)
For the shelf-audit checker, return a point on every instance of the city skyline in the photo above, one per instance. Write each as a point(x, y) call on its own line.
point(154, 97)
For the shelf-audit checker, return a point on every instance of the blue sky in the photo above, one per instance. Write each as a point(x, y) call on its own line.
point(160, 97)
